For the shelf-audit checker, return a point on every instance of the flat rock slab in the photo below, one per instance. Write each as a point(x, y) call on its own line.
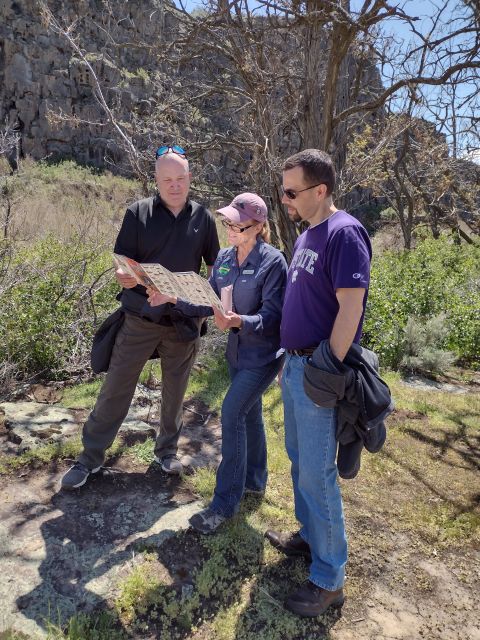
point(31, 423)
point(27, 424)
point(63, 553)
point(426, 384)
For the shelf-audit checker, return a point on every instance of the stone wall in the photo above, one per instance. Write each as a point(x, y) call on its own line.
point(40, 76)
point(39, 73)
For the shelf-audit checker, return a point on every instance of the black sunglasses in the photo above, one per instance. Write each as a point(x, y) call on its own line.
point(292, 194)
point(234, 227)
point(161, 151)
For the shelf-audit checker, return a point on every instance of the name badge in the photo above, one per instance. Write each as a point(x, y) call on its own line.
point(248, 272)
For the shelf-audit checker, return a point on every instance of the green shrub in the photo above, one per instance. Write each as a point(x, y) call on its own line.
point(50, 297)
point(438, 277)
point(423, 346)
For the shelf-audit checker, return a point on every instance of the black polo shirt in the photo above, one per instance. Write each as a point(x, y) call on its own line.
point(151, 233)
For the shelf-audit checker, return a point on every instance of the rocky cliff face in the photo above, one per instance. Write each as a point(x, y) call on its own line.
point(39, 74)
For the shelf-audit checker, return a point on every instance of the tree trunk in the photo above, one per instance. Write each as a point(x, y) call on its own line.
point(314, 52)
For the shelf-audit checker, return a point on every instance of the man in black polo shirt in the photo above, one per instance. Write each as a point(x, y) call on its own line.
point(178, 233)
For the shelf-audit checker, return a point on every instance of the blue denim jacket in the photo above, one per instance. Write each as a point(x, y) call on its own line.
point(258, 291)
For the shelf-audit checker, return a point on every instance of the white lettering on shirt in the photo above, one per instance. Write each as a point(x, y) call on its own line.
point(304, 259)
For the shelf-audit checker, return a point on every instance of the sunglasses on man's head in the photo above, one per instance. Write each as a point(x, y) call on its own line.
point(180, 151)
point(292, 194)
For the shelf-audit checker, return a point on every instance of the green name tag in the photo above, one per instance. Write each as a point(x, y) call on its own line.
point(223, 270)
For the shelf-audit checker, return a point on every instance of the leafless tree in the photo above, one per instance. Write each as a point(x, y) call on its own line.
point(245, 84)
point(406, 162)
point(9, 140)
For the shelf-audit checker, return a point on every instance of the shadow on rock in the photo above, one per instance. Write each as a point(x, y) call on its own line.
point(88, 537)
point(202, 576)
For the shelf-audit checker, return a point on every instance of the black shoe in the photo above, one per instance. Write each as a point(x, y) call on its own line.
point(170, 464)
point(77, 476)
point(310, 601)
point(291, 544)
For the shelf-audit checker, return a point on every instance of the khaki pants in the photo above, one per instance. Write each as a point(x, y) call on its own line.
point(135, 343)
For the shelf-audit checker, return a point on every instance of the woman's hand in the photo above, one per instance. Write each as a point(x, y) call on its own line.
point(227, 321)
point(156, 298)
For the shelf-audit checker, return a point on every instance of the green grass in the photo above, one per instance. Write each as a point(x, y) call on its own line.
point(100, 626)
point(82, 396)
point(138, 591)
point(210, 382)
point(39, 456)
point(11, 634)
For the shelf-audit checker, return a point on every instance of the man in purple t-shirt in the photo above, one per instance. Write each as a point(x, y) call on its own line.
point(325, 298)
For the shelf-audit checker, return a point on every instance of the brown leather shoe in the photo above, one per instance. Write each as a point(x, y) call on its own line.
point(310, 601)
point(291, 544)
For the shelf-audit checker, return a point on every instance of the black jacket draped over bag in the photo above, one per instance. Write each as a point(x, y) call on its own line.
point(361, 397)
point(104, 340)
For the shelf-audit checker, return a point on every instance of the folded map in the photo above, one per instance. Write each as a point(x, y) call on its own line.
point(187, 285)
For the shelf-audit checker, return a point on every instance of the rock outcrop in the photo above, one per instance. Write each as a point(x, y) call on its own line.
point(41, 76)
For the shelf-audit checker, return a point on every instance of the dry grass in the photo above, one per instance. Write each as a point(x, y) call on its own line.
point(67, 200)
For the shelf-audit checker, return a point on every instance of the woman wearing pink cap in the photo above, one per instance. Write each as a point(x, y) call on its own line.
point(253, 273)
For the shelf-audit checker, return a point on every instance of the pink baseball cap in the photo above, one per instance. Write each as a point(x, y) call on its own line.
point(246, 206)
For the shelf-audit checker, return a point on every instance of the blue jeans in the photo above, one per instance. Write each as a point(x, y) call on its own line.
point(244, 447)
point(311, 446)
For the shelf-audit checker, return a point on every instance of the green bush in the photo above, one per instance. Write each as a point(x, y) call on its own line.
point(438, 277)
point(51, 295)
point(423, 346)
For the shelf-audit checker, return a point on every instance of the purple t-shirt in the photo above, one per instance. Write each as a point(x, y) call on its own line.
point(331, 255)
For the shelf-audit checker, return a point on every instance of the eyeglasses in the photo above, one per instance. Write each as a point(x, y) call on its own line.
point(161, 151)
point(292, 194)
point(234, 227)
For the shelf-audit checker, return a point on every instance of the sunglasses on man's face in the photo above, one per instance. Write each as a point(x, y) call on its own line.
point(235, 228)
point(180, 151)
point(292, 194)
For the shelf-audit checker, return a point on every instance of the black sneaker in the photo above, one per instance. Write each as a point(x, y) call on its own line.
point(170, 464)
point(77, 476)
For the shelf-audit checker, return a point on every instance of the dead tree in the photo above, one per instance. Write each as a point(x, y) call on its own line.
point(245, 85)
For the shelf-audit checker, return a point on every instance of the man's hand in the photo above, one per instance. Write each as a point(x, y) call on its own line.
point(156, 298)
point(124, 279)
point(227, 321)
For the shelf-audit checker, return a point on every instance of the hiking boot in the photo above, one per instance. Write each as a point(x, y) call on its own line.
point(206, 521)
point(310, 601)
point(77, 476)
point(291, 544)
point(170, 464)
